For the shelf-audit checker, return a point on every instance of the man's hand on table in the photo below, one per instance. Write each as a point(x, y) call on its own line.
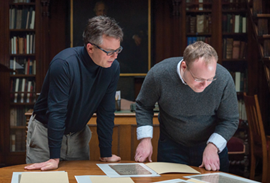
point(48, 165)
point(144, 150)
point(210, 158)
point(114, 158)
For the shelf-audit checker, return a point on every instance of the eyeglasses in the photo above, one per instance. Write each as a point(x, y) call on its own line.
point(202, 80)
point(109, 53)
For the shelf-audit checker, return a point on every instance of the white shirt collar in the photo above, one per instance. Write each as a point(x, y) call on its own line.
point(178, 71)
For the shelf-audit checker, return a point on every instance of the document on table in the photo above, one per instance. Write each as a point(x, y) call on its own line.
point(220, 178)
point(161, 168)
point(40, 177)
point(173, 181)
point(102, 179)
point(153, 169)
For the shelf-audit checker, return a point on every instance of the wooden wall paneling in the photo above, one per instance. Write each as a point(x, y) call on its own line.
point(4, 80)
point(216, 39)
point(39, 29)
point(1, 87)
point(134, 141)
point(125, 136)
point(158, 18)
point(253, 61)
point(58, 19)
point(183, 30)
point(42, 41)
point(94, 143)
point(115, 141)
point(167, 34)
point(177, 27)
point(51, 28)
point(4, 33)
point(155, 141)
point(4, 117)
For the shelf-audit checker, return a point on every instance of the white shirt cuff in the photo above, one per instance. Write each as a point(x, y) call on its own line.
point(144, 132)
point(218, 140)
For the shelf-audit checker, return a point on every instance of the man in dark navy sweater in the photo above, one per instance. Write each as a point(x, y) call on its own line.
point(79, 82)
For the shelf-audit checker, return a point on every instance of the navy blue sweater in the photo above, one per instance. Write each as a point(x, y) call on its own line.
point(74, 88)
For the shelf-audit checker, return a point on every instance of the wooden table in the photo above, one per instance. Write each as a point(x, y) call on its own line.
point(88, 168)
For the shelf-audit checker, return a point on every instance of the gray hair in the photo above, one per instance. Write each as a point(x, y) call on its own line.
point(99, 26)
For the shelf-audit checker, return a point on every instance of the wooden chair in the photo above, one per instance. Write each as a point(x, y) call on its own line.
point(258, 139)
point(238, 151)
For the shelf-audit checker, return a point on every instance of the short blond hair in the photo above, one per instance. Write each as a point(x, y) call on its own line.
point(197, 50)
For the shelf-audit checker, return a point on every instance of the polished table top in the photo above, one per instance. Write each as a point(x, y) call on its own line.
point(89, 168)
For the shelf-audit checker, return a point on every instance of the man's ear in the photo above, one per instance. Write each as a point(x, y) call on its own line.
point(183, 64)
point(89, 47)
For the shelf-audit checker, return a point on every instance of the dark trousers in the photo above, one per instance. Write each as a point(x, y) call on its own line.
point(170, 151)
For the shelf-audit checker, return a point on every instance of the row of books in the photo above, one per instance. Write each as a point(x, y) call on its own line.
point(262, 26)
point(234, 4)
point(266, 48)
point(23, 45)
point(233, 1)
point(22, 90)
point(17, 135)
point(198, 1)
point(240, 79)
point(242, 110)
point(199, 23)
point(17, 116)
point(193, 39)
point(234, 49)
point(257, 7)
point(232, 23)
point(17, 141)
point(198, 6)
point(23, 66)
point(21, 1)
point(23, 18)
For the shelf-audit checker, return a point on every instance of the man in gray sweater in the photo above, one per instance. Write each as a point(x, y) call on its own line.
point(198, 110)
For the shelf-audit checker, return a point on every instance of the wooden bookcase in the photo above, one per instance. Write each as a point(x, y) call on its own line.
point(21, 56)
point(21, 37)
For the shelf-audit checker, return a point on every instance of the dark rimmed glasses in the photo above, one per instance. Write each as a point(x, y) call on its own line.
point(109, 53)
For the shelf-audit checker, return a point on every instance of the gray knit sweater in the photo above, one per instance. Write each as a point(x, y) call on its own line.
point(187, 117)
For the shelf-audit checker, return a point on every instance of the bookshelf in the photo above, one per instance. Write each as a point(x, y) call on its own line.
point(22, 55)
point(234, 41)
point(18, 86)
point(234, 57)
point(40, 41)
point(198, 21)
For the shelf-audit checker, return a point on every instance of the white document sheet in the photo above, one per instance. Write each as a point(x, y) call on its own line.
point(173, 181)
point(102, 179)
point(220, 178)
